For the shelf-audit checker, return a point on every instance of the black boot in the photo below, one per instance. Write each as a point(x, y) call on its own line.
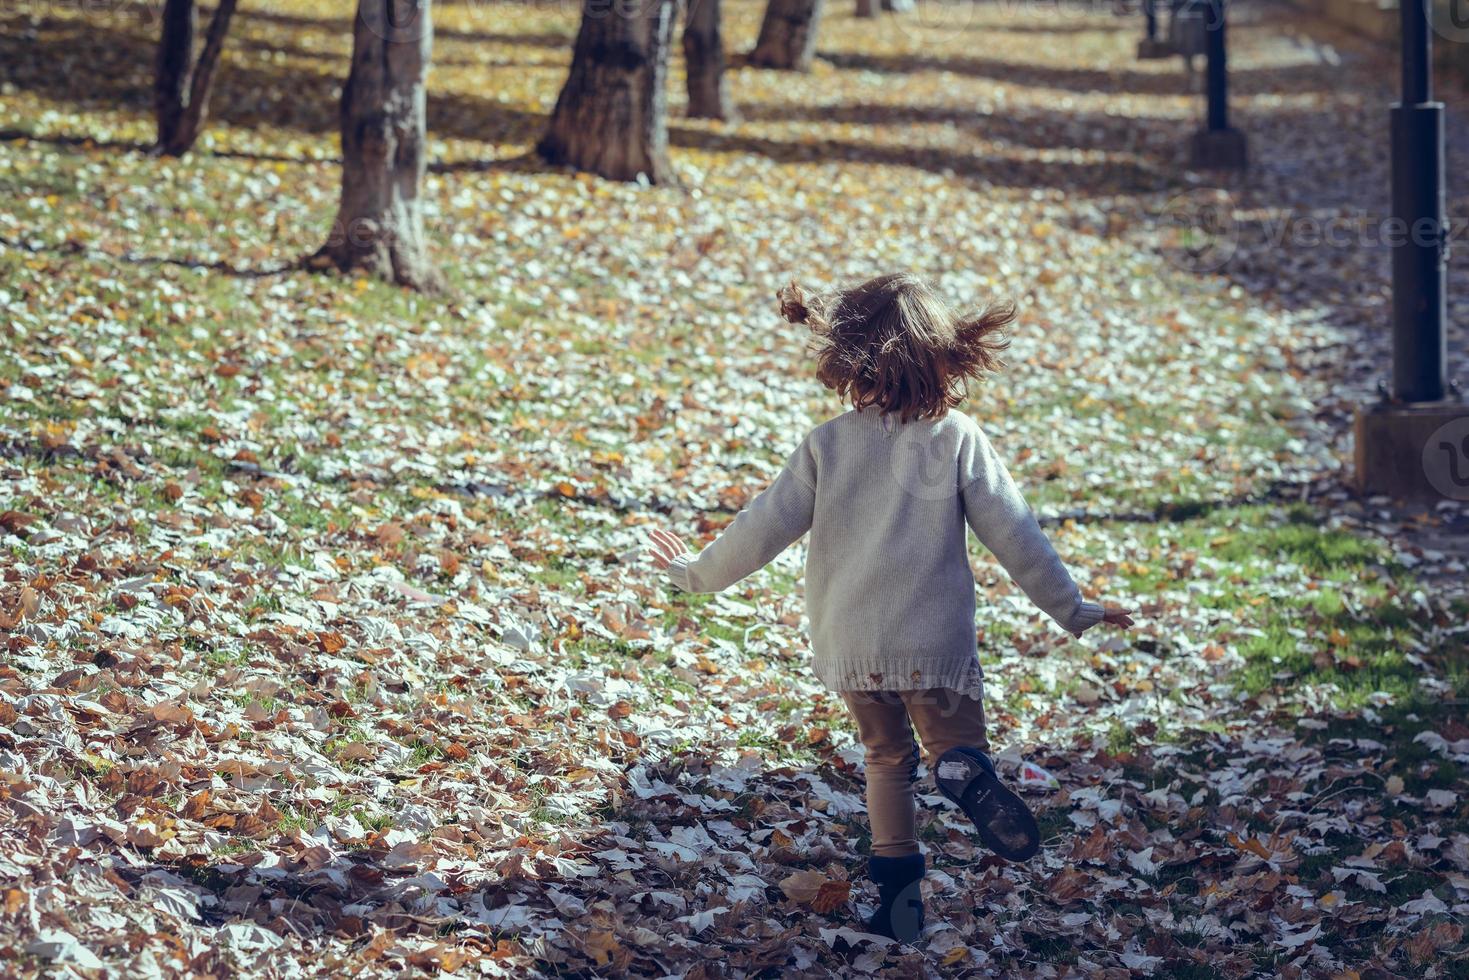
point(967, 777)
point(899, 913)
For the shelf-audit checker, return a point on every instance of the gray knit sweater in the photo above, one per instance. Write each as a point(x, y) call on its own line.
point(889, 589)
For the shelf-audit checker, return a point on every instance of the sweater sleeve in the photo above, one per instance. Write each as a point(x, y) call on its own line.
point(1005, 525)
point(767, 526)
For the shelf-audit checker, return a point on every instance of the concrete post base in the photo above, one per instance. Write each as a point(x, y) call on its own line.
point(1219, 149)
point(1151, 49)
point(1414, 453)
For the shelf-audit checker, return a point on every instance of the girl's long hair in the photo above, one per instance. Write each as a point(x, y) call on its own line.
point(893, 344)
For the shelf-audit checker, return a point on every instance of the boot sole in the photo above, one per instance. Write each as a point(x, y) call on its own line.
point(1004, 822)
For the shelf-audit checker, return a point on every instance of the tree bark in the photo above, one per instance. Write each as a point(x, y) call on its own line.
point(703, 51)
point(187, 121)
point(866, 8)
point(172, 67)
point(788, 35)
point(379, 224)
point(612, 115)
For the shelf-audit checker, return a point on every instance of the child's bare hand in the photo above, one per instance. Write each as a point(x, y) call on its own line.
point(664, 547)
point(1119, 616)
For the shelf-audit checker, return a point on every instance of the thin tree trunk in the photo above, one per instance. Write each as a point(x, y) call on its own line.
point(190, 122)
point(703, 51)
point(866, 8)
point(172, 67)
point(788, 35)
point(379, 225)
point(611, 116)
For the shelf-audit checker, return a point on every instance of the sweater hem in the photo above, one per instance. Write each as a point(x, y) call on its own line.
point(887, 673)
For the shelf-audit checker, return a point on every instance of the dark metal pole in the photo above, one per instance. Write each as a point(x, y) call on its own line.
point(1150, 15)
point(1420, 242)
point(1218, 72)
point(1417, 53)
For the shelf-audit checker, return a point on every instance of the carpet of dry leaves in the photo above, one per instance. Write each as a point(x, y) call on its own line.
point(327, 645)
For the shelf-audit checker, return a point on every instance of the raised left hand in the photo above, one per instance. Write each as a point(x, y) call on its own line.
point(664, 547)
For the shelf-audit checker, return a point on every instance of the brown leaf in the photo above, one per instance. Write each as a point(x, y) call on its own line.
point(170, 713)
point(831, 896)
point(17, 523)
point(1097, 846)
point(331, 642)
point(195, 806)
point(1069, 886)
point(250, 825)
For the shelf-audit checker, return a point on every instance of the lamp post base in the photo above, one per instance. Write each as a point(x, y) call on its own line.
point(1153, 48)
point(1417, 452)
point(1219, 149)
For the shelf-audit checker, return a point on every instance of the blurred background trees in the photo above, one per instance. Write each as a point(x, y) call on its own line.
point(610, 118)
point(703, 52)
point(181, 83)
point(788, 35)
point(379, 224)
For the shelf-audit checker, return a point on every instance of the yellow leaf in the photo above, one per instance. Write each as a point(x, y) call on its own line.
point(602, 946)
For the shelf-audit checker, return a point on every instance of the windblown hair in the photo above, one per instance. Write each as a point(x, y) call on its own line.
point(891, 343)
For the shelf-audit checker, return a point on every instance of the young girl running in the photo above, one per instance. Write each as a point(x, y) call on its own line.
point(886, 491)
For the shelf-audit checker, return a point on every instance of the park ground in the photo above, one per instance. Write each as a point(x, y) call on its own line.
point(328, 651)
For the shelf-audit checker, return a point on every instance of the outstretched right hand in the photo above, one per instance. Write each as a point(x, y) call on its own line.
point(1119, 616)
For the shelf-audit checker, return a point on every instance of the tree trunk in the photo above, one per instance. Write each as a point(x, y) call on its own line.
point(188, 122)
point(171, 69)
point(866, 8)
point(703, 52)
point(788, 35)
point(612, 115)
point(379, 224)
point(897, 6)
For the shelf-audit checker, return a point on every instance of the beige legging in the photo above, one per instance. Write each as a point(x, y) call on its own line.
point(944, 718)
